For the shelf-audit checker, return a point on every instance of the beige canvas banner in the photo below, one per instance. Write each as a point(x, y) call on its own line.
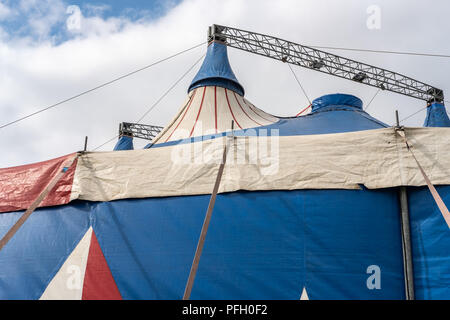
point(374, 158)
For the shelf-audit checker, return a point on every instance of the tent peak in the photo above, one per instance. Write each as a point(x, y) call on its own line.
point(437, 116)
point(216, 70)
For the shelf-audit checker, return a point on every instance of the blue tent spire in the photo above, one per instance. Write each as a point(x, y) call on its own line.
point(216, 70)
point(124, 143)
point(437, 116)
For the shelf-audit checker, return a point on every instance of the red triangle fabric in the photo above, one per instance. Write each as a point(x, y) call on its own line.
point(99, 283)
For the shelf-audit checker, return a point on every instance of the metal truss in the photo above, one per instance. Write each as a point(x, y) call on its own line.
point(324, 62)
point(137, 130)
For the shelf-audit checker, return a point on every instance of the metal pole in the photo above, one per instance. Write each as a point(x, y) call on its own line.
point(397, 118)
point(201, 241)
point(406, 244)
point(406, 238)
point(85, 143)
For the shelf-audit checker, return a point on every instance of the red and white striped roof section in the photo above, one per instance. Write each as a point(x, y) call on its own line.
point(210, 110)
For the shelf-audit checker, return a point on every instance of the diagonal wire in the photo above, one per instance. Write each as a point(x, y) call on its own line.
point(157, 101)
point(99, 86)
point(411, 115)
point(373, 98)
point(298, 81)
point(170, 89)
point(105, 143)
point(420, 111)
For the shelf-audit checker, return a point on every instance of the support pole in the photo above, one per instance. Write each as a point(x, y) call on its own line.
point(85, 143)
point(408, 270)
point(406, 245)
point(201, 241)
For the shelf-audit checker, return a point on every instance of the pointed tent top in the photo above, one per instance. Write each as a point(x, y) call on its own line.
point(437, 116)
point(216, 70)
point(124, 143)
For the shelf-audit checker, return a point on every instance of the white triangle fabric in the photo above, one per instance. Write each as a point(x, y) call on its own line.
point(68, 281)
point(304, 295)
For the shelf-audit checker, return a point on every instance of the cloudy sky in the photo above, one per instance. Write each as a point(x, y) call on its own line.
point(53, 49)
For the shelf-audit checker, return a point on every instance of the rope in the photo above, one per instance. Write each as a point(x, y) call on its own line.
point(420, 111)
point(98, 87)
point(157, 101)
point(300, 85)
point(373, 98)
point(298, 114)
point(105, 143)
point(170, 89)
point(437, 198)
point(413, 114)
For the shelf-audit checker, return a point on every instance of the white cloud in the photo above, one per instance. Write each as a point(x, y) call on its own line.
point(36, 74)
point(42, 15)
point(80, 25)
point(5, 11)
point(96, 10)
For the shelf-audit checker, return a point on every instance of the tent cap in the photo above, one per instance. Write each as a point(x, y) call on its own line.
point(124, 143)
point(437, 116)
point(337, 99)
point(216, 70)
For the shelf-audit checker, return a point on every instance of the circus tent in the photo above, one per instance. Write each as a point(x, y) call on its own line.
point(313, 215)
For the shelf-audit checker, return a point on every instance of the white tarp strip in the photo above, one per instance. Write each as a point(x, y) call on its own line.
point(374, 158)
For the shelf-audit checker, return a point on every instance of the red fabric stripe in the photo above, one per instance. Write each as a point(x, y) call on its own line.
point(235, 96)
point(229, 106)
point(252, 108)
point(199, 111)
point(20, 186)
point(98, 283)
point(190, 102)
point(215, 105)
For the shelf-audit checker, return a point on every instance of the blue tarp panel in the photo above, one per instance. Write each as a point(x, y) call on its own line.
point(216, 71)
point(124, 143)
point(437, 116)
point(260, 245)
point(39, 248)
point(431, 243)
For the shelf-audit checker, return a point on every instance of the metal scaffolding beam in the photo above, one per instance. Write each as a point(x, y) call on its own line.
point(136, 130)
point(324, 62)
